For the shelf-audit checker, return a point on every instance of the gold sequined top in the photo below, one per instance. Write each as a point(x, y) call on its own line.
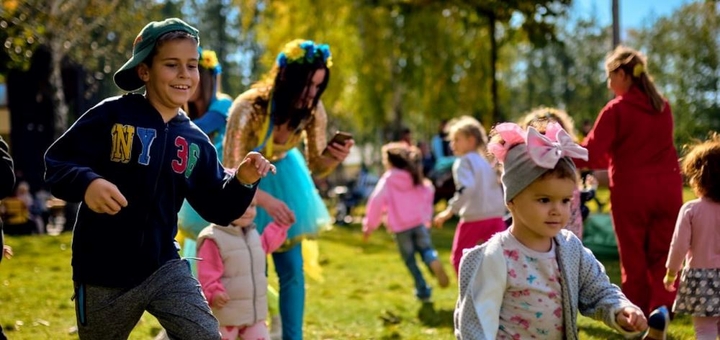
point(245, 127)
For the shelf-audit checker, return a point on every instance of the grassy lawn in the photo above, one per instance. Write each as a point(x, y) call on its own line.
point(366, 293)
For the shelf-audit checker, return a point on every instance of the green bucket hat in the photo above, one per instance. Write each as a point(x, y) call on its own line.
point(126, 77)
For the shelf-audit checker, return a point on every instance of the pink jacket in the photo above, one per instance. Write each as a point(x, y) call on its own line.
point(405, 204)
point(696, 237)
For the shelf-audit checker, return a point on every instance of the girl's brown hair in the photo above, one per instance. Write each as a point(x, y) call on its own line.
point(701, 167)
point(634, 64)
point(404, 157)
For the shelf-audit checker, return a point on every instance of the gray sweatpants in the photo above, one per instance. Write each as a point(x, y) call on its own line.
point(171, 294)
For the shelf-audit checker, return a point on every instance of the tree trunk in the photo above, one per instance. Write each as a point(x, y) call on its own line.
point(496, 114)
point(397, 109)
point(60, 108)
point(616, 22)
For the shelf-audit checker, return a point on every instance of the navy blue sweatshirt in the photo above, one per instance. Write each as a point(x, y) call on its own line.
point(155, 165)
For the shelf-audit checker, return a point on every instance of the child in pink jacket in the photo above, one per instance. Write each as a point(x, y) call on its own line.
point(405, 198)
point(694, 252)
point(232, 274)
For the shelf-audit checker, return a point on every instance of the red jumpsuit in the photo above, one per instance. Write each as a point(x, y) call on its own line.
point(635, 143)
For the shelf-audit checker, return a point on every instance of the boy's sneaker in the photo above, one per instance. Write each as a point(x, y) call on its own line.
point(439, 272)
point(658, 323)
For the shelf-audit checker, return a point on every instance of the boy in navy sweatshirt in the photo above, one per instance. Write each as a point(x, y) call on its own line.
point(131, 160)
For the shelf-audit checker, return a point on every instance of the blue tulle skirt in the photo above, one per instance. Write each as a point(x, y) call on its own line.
point(293, 185)
point(190, 222)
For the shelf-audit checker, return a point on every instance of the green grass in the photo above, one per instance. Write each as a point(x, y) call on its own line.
point(366, 293)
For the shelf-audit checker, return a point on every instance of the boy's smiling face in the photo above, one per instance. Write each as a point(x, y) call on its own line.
point(173, 77)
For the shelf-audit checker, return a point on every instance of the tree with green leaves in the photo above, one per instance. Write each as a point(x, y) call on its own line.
point(538, 22)
point(683, 53)
point(94, 33)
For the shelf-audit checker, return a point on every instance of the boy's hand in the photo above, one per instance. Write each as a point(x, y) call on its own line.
point(7, 252)
point(631, 319)
point(104, 197)
point(442, 217)
point(220, 299)
point(253, 167)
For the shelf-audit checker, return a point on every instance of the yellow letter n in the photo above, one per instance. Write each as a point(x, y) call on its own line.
point(122, 139)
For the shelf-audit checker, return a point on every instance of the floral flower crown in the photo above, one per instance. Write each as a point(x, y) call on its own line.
point(209, 60)
point(300, 51)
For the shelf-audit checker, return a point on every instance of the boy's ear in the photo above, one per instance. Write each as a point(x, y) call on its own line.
point(143, 72)
point(511, 206)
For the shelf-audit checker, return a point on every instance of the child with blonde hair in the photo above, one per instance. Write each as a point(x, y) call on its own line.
point(531, 280)
point(405, 198)
point(695, 242)
point(478, 195)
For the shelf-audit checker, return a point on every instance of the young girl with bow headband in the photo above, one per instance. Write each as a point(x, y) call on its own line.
point(532, 279)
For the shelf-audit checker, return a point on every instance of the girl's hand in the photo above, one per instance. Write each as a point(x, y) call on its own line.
point(220, 299)
point(669, 282)
point(441, 218)
point(277, 209)
point(631, 319)
point(104, 197)
point(338, 152)
point(253, 167)
point(7, 252)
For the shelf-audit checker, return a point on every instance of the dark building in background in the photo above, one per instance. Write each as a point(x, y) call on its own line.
point(30, 104)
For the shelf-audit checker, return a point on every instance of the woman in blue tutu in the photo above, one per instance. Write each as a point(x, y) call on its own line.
point(274, 117)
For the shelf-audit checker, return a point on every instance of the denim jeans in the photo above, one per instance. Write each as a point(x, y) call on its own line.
point(409, 242)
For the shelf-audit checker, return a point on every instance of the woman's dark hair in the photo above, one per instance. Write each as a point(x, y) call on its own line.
point(208, 86)
point(288, 84)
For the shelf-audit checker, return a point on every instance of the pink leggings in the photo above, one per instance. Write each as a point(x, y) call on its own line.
point(258, 331)
point(471, 233)
point(706, 328)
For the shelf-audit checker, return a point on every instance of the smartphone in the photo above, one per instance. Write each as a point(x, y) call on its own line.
point(340, 137)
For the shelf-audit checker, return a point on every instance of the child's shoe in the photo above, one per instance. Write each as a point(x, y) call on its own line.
point(658, 323)
point(439, 272)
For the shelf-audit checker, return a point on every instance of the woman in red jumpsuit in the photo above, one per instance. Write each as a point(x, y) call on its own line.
point(633, 138)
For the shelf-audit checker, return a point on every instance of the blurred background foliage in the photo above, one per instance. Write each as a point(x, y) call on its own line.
point(397, 63)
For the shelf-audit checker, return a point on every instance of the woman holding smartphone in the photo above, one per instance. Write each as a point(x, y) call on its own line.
point(273, 118)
